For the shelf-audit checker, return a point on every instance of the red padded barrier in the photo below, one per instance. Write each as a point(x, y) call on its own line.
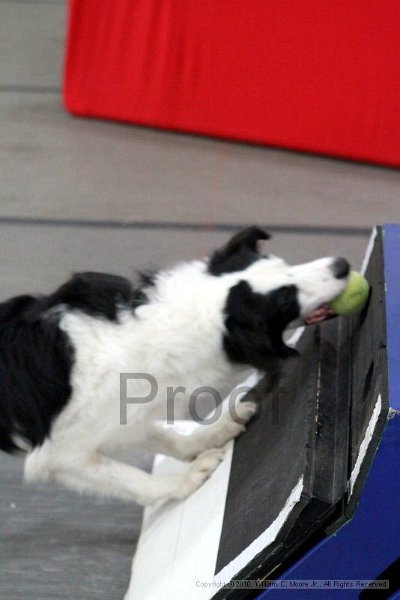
point(315, 75)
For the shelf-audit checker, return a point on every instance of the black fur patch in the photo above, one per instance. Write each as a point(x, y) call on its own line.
point(100, 294)
point(255, 324)
point(146, 279)
point(35, 366)
point(96, 294)
point(239, 253)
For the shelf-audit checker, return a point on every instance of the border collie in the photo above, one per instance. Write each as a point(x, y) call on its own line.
point(197, 324)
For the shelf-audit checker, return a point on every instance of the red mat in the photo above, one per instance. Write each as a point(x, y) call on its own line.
point(319, 76)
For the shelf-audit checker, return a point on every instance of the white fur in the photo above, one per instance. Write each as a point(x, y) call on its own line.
point(177, 338)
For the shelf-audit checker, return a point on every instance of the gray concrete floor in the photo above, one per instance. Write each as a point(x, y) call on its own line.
point(66, 187)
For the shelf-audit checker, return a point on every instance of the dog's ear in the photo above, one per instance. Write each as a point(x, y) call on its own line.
point(239, 253)
point(247, 238)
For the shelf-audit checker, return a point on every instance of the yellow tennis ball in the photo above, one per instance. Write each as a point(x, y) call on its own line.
point(353, 298)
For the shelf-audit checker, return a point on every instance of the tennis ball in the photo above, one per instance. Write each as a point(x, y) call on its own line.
point(353, 298)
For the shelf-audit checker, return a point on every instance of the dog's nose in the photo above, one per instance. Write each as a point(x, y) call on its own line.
point(340, 268)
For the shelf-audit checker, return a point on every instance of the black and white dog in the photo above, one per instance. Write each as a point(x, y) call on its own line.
point(195, 325)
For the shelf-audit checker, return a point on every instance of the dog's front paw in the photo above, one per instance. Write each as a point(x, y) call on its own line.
point(199, 471)
point(244, 411)
point(233, 421)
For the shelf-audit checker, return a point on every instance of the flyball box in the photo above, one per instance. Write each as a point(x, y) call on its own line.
point(312, 491)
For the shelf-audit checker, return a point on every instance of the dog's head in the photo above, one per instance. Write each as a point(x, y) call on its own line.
point(266, 294)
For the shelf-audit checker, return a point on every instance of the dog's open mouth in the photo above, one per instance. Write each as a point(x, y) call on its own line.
point(322, 313)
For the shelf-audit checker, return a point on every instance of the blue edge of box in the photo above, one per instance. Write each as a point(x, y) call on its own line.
point(365, 546)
